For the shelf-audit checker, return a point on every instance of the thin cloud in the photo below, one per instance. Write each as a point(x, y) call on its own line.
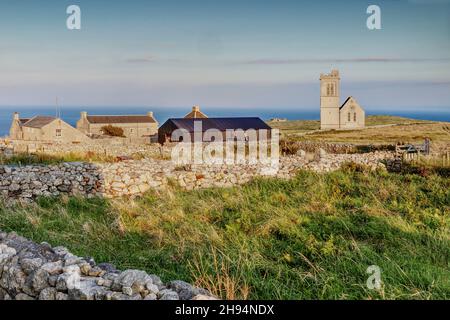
point(149, 59)
point(352, 60)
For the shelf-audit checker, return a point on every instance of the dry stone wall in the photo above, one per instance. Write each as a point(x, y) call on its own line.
point(134, 177)
point(30, 271)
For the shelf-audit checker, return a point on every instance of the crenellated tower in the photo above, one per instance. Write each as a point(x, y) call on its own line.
point(329, 100)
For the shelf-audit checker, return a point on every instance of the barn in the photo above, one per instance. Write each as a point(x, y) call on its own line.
point(220, 124)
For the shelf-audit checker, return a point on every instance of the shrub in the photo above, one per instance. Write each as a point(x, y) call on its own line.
point(113, 131)
point(289, 147)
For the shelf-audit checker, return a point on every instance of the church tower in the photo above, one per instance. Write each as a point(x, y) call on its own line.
point(329, 100)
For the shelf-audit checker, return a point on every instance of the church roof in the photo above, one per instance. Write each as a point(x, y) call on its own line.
point(348, 99)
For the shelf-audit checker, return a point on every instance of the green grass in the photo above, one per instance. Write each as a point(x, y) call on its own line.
point(312, 237)
point(49, 159)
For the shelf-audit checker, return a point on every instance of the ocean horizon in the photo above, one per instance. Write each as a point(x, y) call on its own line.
point(72, 114)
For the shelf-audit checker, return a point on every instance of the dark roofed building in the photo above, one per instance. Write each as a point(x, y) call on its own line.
point(220, 124)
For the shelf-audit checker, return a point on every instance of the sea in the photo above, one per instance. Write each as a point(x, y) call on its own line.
point(72, 114)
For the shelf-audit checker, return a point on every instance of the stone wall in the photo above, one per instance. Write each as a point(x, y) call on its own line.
point(106, 146)
point(30, 271)
point(133, 177)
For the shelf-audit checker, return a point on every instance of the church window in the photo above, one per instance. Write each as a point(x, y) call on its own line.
point(354, 117)
point(349, 117)
point(328, 89)
point(332, 89)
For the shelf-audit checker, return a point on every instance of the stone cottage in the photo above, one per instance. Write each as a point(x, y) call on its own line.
point(44, 129)
point(135, 127)
point(333, 115)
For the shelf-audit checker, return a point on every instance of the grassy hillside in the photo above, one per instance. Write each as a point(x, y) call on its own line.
point(380, 130)
point(311, 237)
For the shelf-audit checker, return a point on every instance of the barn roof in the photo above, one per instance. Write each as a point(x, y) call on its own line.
point(121, 119)
point(221, 124)
point(38, 121)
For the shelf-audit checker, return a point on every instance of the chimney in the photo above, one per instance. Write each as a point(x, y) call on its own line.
point(16, 116)
point(150, 114)
point(196, 108)
point(83, 114)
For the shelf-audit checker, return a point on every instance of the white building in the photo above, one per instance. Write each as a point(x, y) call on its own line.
point(333, 115)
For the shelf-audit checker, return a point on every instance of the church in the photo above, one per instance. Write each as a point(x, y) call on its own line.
point(333, 115)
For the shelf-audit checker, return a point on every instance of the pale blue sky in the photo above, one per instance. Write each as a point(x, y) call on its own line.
point(223, 53)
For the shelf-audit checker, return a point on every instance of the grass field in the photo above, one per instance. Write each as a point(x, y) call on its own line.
point(312, 237)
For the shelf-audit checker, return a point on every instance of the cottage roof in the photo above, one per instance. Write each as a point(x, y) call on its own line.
point(121, 119)
point(221, 124)
point(38, 121)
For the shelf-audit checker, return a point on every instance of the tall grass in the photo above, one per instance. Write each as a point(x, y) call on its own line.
point(312, 237)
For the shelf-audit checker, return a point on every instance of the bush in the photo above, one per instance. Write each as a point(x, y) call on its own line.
point(289, 147)
point(112, 131)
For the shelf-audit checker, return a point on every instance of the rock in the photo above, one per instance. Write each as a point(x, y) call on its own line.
point(203, 297)
point(53, 267)
point(61, 296)
point(185, 290)
point(31, 265)
point(40, 280)
point(167, 294)
point(150, 296)
point(48, 294)
point(23, 296)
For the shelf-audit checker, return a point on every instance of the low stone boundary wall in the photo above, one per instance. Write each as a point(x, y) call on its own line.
point(30, 271)
point(133, 177)
point(107, 147)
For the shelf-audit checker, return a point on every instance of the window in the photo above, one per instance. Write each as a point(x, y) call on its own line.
point(58, 132)
point(354, 117)
point(332, 89)
point(349, 117)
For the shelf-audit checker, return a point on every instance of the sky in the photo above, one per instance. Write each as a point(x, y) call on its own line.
point(234, 53)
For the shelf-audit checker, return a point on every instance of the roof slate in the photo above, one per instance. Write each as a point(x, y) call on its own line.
point(221, 124)
point(38, 122)
point(121, 119)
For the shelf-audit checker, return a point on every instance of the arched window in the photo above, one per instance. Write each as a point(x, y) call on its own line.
point(328, 89)
point(354, 117)
point(332, 89)
point(349, 117)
